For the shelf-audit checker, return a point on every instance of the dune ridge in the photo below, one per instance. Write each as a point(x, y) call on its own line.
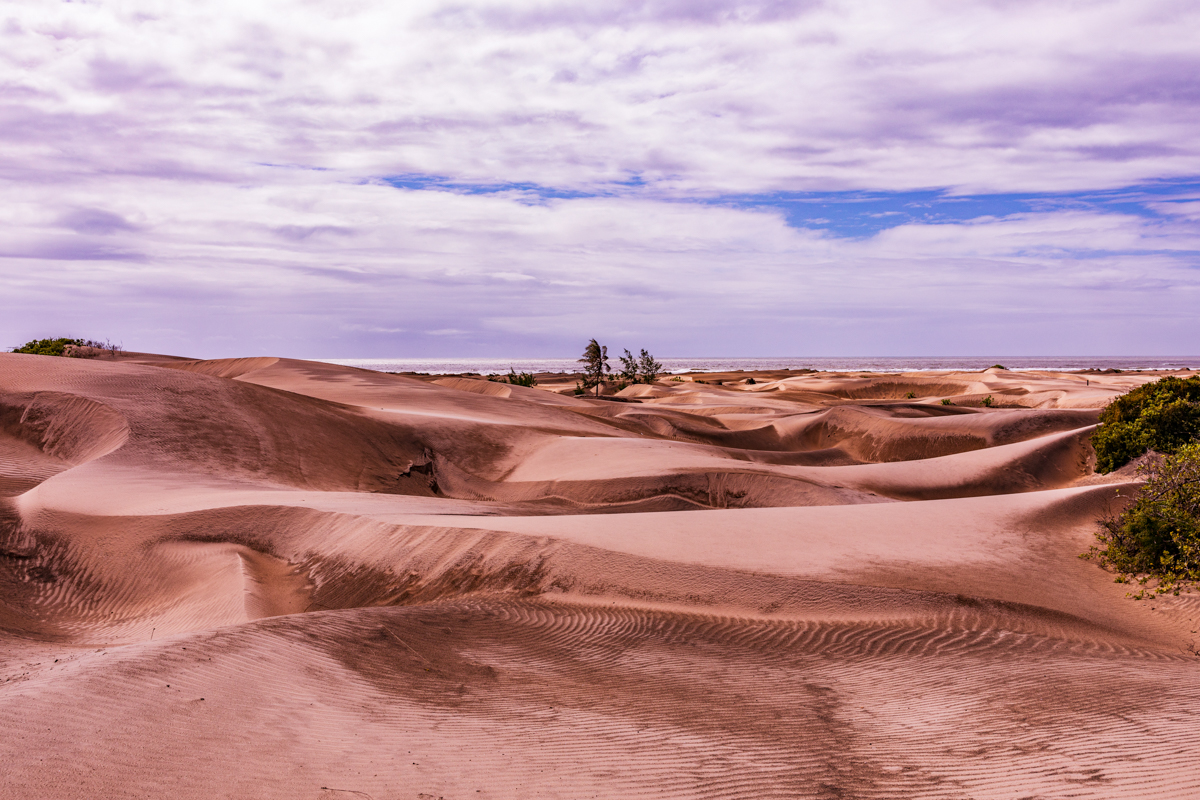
point(275, 578)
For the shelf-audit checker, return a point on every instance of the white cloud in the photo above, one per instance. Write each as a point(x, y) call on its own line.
point(207, 177)
point(699, 98)
point(406, 269)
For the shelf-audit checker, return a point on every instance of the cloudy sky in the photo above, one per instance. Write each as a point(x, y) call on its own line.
point(336, 178)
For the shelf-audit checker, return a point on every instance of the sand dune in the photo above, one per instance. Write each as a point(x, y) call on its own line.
point(265, 577)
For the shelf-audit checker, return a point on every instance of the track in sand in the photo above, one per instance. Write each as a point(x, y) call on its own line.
point(273, 578)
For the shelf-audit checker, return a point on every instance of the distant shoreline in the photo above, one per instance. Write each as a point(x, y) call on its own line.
point(486, 366)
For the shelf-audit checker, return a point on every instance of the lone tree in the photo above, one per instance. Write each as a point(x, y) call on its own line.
point(595, 366)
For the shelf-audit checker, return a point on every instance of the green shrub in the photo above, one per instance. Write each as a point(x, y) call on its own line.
point(521, 378)
point(910, 395)
point(998, 366)
point(987, 401)
point(47, 347)
point(946, 401)
point(1162, 416)
point(1159, 534)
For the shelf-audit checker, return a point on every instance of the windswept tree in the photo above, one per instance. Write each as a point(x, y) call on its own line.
point(629, 367)
point(595, 366)
point(639, 369)
point(648, 369)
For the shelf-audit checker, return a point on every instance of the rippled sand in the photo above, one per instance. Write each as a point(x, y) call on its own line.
point(272, 578)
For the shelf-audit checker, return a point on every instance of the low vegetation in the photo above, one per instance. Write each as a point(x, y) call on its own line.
point(1157, 537)
point(69, 348)
point(1162, 416)
point(47, 347)
point(520, 378)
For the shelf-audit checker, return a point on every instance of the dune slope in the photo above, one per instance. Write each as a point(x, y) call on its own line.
point(273, 578)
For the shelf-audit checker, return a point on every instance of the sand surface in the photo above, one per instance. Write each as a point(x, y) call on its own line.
point(267, 578)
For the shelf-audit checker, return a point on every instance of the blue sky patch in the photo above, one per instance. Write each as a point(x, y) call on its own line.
point(856, 214)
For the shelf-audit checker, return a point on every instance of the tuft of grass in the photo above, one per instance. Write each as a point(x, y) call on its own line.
point(946, 401)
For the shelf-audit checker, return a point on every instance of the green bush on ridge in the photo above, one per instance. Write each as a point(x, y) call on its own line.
point(1162, 416)
point(69, 348)
point(47, 347)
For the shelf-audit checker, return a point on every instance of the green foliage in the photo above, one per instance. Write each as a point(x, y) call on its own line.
point(629, 367)
point(998, 366)
point(751, 382)
point(988, 401)
point(595, 366)
point(946, 401)
point(47, 347)
point(521, 378)
point(910, 395)
point(641, 368)
point(648, 369)
point(70, 348)
point(1162, 416)
point(1158, 536)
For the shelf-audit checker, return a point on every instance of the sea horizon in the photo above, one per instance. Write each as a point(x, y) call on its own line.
point(883, 364)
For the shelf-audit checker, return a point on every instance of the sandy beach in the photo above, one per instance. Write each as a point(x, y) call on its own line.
point(273, 578)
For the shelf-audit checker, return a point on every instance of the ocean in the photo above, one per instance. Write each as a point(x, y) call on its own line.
point(487, 366)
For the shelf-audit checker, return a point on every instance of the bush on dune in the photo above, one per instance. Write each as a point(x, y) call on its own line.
point(520, 378)
point(47, 347)
point(1162, 416)
point(1159, 534)
point(69, 348)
